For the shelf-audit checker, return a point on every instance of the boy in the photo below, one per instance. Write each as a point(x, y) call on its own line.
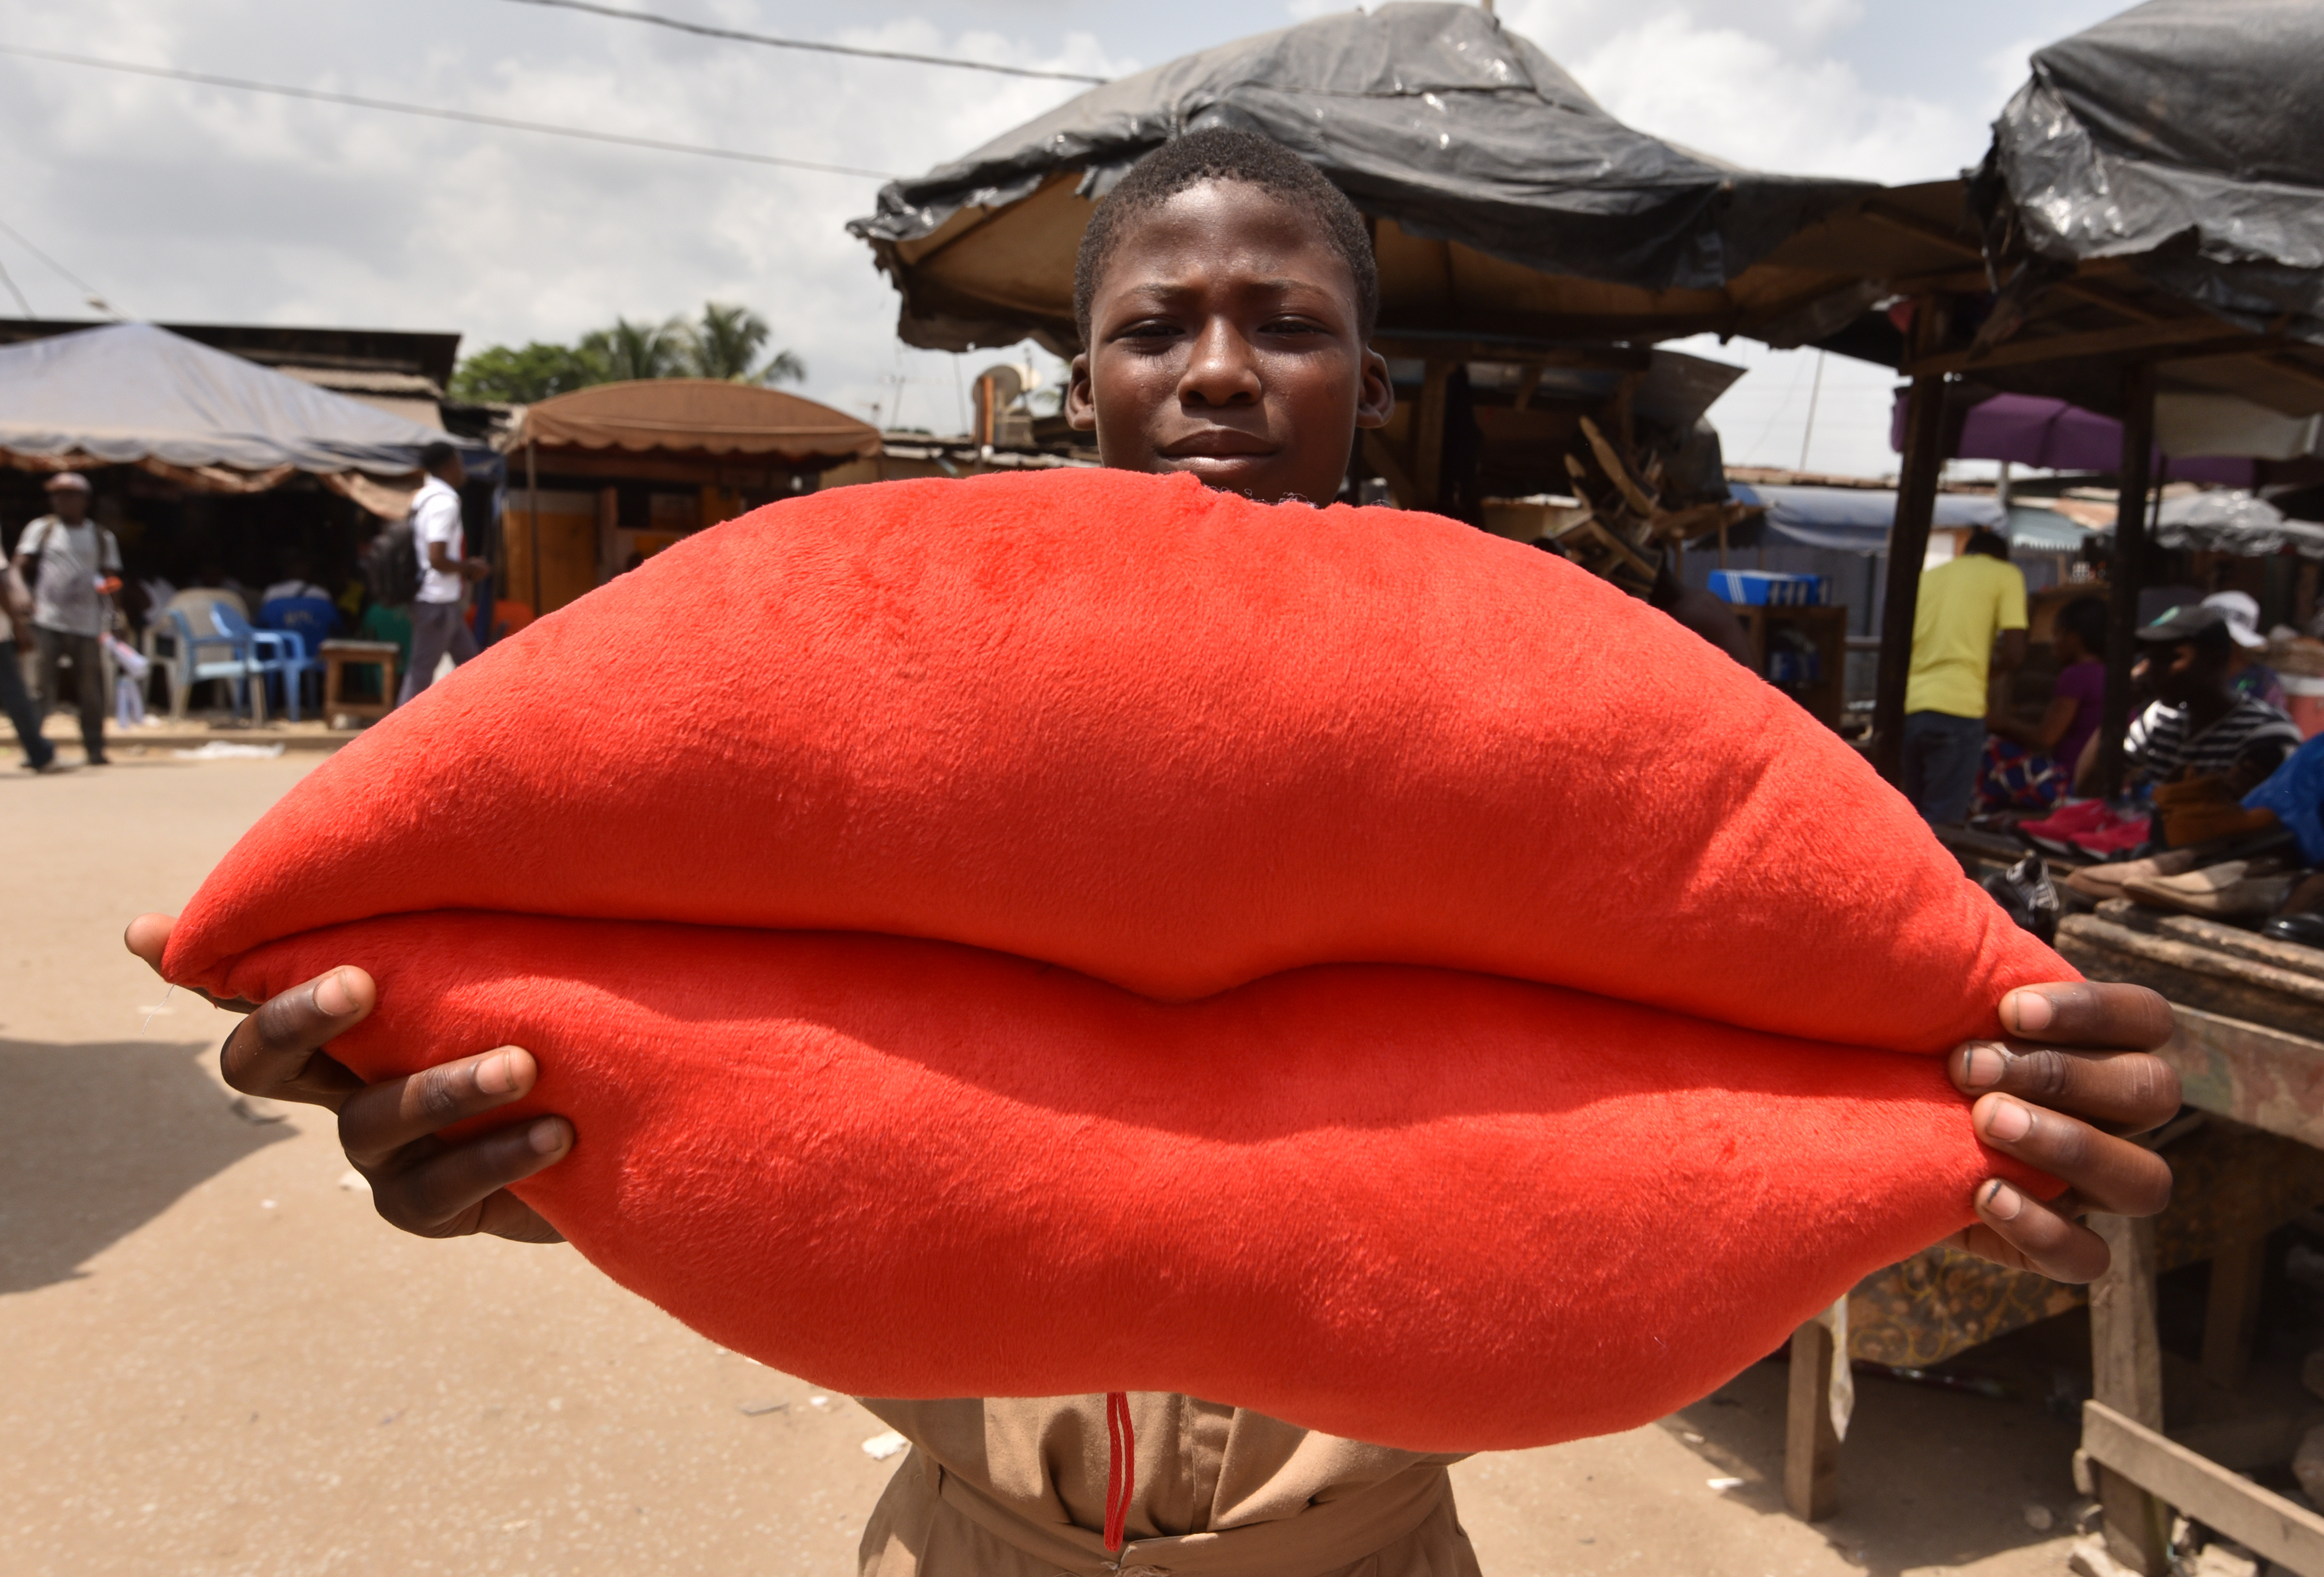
point(1226, 293)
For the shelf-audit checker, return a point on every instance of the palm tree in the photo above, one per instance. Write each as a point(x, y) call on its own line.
point(726, 345)
point(638, 350)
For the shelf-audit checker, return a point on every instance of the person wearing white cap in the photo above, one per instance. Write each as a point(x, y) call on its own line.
point(2246, 675)
point(79, 566)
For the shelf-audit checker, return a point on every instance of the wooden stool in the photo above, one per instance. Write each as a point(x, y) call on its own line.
point(338, 657)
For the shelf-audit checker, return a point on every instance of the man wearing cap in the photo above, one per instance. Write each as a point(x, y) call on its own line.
point(72, 565)
point(2249, 676)
point(2199, 727)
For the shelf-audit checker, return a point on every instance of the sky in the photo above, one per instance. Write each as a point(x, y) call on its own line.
point(179, 202)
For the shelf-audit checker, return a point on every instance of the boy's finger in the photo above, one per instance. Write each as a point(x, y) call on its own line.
point(277, 1051)
point(441, 1194)
point(383, 1118)
point(2128, 1091)
point(2016, 1230)
point(148, 936)
point(2107, 1174)
point(2095, 1013)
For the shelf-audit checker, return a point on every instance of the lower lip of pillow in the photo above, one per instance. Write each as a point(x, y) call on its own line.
point(1430, 1210)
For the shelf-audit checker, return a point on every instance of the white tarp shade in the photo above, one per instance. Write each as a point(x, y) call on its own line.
point(2186, 425)
point(130, 393)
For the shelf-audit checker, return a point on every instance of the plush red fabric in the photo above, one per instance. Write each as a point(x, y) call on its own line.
point(1179, 742)
point(1428, 1209)
point(1162, 736)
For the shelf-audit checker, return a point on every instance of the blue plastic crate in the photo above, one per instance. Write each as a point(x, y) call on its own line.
point(1765, 588)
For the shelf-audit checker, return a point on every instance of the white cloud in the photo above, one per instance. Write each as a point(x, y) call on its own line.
point(1758, 98)
point(195, 203)
point(200, 204)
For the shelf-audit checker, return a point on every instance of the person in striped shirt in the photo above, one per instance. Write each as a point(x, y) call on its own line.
point(2199, 726)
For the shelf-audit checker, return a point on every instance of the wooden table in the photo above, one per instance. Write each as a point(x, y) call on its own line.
point(2275, 1081)
point(338, 656)
point(2256, 1073)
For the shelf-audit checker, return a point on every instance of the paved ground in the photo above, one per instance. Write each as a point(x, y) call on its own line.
point(218, 1361)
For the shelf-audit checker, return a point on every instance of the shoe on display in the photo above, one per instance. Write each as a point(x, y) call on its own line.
point(2300, 931)
point(2104, 880)
point(2074, 816)
point(2120, 836)
point(2231, 889)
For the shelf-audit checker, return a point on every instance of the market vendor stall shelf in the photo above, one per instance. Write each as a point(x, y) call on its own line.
point(2235, 1183)
point(1802, 652)
point(2237, 1055)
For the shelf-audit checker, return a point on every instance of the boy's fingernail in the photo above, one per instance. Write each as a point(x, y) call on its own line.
point(1982, 1064)
point(333, 997)
point(2008, 1122)
point(2027, 1012)
point(496, 1075)
point(547, 1137)
point(2002, 1202)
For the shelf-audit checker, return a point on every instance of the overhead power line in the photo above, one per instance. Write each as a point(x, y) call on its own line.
point(87, 290)
point(704, 29)
point(430, 112)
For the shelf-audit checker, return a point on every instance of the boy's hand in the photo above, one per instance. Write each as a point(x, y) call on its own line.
point(2058, 1097)
point(388, 1129)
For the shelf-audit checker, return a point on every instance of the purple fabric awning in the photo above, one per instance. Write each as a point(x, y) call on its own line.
point(2028, 430)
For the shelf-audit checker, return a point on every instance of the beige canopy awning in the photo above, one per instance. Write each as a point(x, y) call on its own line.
point(695, 418)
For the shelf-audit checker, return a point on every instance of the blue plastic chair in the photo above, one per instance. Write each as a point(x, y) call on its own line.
point(213, 653)
point(313, 620)
point(271, 652)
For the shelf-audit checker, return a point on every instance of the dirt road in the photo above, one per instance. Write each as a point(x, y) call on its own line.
point(217, 1360)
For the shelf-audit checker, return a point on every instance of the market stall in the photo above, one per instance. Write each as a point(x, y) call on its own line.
point(1531, 248)
point(609, 476)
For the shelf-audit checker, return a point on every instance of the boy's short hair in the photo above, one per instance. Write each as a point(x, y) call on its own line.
point(435, 454)
point(1222, 154)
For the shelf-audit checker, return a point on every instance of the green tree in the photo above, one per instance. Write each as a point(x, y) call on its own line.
point(638, 350)
point(520, 376)
point(727, 344)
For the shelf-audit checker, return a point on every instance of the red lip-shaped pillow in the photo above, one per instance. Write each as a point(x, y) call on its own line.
point(1177, 742)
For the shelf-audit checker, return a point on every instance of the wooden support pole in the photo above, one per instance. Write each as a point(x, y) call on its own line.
point(2231, 1312)
point(532, 514)
point(2127, 1375)
point(1811, 1444)
point(1428, 436)
point(2128, 571)
point(1908, 544)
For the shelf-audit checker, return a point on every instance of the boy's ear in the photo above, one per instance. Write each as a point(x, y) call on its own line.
point(1376, 400)
point(1081, 409)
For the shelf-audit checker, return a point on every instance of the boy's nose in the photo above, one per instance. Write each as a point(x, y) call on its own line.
point(1221, 370)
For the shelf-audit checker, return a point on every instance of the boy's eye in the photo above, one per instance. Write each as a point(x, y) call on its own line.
point(1292, 325)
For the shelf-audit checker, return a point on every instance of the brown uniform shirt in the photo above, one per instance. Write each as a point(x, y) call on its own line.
point(1008, 1487)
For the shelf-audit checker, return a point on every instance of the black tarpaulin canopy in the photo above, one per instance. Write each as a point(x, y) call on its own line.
point(2151, 212)
point(2186, 137)
point(1508, 203)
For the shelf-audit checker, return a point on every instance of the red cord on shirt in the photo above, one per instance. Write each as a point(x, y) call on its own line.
point(1120, 1468)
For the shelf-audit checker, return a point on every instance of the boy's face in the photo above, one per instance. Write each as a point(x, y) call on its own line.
point(1225, 340)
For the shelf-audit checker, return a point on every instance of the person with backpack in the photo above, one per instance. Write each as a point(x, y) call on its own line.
point(78, 567)
point(441, 568)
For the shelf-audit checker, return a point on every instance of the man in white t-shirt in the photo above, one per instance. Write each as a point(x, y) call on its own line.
point(444, 570)
point(72, 565)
